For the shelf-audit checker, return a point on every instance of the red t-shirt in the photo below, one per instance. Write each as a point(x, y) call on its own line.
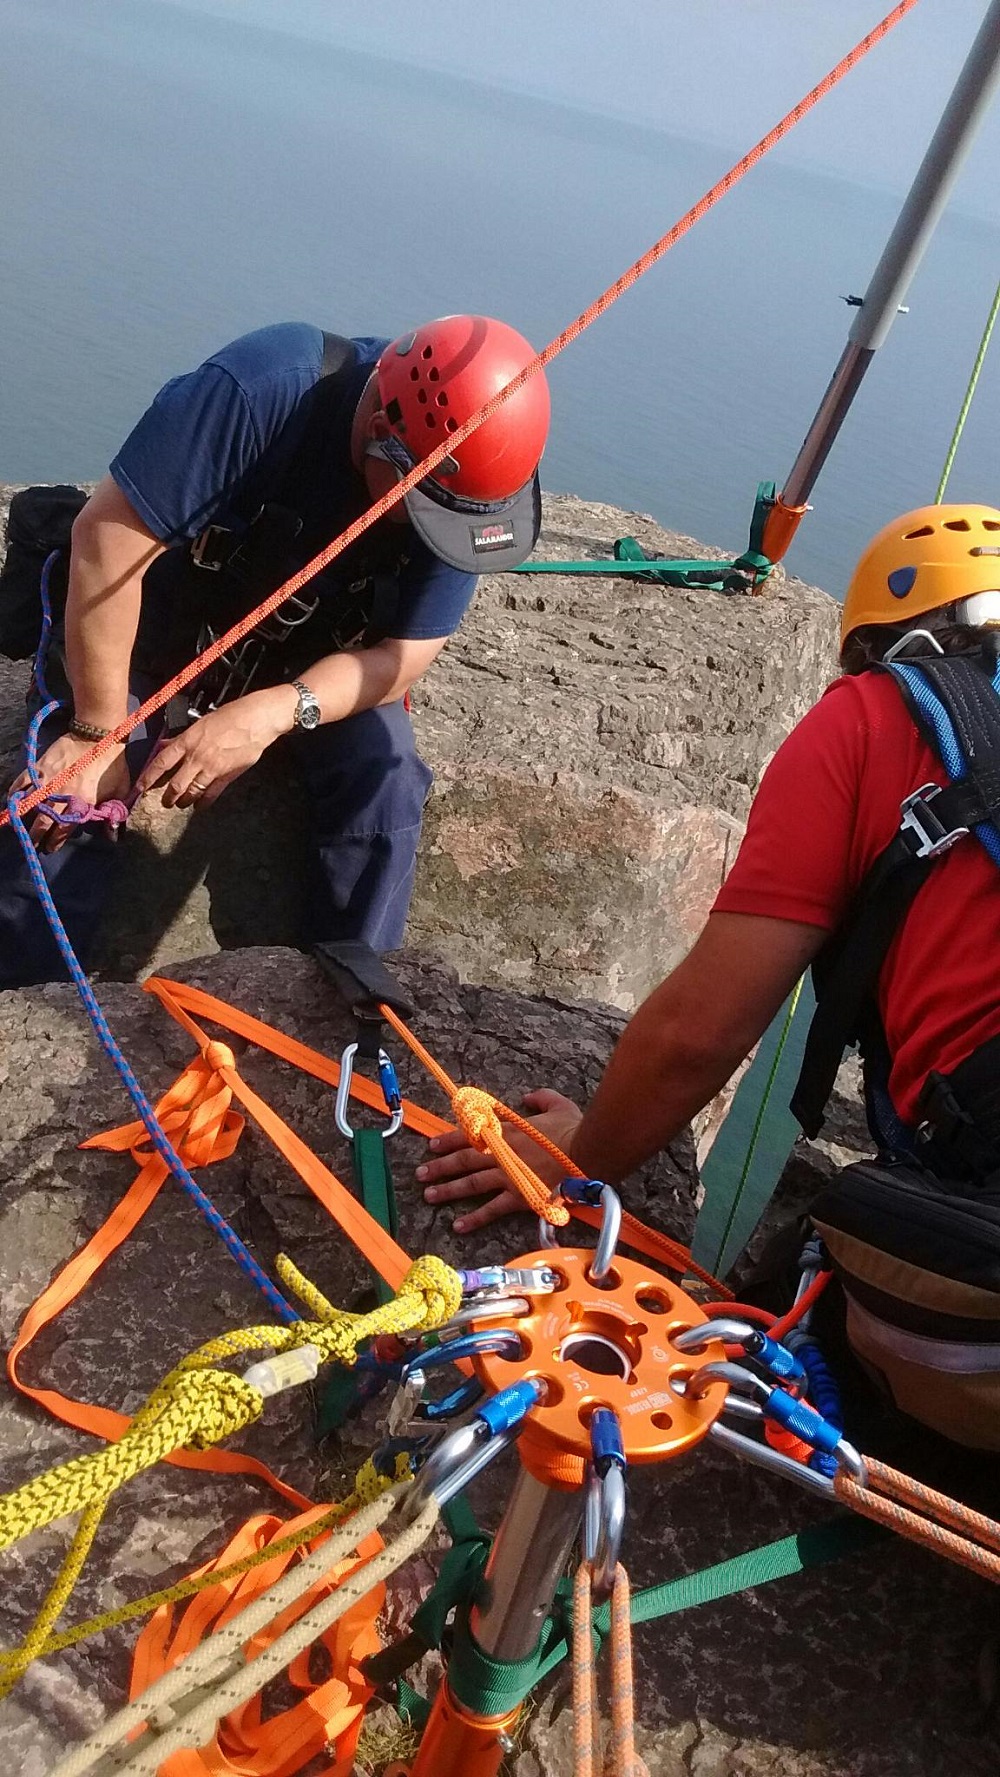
point(828, 804)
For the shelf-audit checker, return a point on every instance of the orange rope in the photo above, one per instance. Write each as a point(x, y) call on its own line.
point(621, 1760)
point(779, 1328)
point(890, 1482)
point(417, 474)
point(584, 1678)
point(479, 1115)
point(918, 1529)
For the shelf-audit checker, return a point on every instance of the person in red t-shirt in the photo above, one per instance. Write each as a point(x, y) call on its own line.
point(828, 805)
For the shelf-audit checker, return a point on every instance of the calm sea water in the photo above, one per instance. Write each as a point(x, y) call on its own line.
point(171, 181)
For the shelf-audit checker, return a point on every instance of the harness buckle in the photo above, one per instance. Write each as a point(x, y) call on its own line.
point(919, 820)
point(205, 550)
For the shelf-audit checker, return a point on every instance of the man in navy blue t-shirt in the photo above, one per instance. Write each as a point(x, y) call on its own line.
point(237, 476)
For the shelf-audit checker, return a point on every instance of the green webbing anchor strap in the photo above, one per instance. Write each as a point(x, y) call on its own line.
point(490, 1687)
point(362, 979)
point(375, 1188)
point(631, 559)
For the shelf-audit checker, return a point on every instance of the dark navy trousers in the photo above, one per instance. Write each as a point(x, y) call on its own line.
point(365, 786)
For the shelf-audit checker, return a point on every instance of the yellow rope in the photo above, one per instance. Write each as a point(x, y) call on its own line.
point(171, 1724)
point(369, 1484)
point(194, 1407)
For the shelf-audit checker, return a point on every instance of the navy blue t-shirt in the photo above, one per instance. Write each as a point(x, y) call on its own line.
point(214, 442)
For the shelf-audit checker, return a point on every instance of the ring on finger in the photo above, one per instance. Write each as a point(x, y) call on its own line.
point(196, 787)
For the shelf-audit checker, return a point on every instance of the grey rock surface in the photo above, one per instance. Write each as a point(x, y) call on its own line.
point(596, 743)
point(861, 1669)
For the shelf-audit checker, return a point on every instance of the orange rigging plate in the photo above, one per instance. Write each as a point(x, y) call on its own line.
point(606, 1345)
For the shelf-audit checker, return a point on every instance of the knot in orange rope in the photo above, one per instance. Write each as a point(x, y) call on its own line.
point(476, 1112)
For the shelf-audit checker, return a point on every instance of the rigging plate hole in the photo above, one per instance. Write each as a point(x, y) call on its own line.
point(597, 1355)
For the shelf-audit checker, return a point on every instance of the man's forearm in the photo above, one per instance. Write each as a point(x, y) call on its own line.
point(110, 552)
point(358, 679)
point(100, 633)
point(689, 1037)
point(654, 1084)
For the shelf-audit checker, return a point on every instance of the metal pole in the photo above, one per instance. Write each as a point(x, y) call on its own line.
point(526, 1563)
point(963, 114)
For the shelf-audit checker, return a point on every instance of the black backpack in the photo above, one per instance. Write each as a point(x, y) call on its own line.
point(40, 520)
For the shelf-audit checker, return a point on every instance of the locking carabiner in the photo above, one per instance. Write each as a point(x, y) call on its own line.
point(390, 1092)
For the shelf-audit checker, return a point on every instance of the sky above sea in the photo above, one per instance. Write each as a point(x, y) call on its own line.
point(178, 173)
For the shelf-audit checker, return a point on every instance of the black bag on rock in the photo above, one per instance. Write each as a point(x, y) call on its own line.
point(40, 520)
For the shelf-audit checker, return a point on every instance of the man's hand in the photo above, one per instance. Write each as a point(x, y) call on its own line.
point(199, 764)
point(106, 778)
point(460, 1171)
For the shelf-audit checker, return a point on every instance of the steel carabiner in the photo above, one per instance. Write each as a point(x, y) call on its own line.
point(390, 1092)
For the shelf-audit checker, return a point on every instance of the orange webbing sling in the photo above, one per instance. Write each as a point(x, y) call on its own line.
point(328, 1715)
point(197, 1114)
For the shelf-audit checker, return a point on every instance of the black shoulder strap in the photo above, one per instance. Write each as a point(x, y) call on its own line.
point(963, 685)
point(846, 972)
point(339, 357)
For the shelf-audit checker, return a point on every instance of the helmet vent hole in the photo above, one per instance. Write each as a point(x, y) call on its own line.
point(442, 399)
point(431, 421)
point(434, 374)
point(422, 397)
point(428, 352)
point(415, 374)
point(991, 524)
point(957, 524)
point(451, 425)
point(926, 530)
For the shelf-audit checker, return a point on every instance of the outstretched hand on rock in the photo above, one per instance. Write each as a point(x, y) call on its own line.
point(459, 1171)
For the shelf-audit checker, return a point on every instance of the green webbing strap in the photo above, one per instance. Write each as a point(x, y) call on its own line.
point(413, 1709)
point(456, 1585)
point(767, 493)
point(374, 1182)
point(665, 571)
point(375, 1188)
point(631, 560)
point(758, 1567)
point(491, 1686)
point(749, 1153)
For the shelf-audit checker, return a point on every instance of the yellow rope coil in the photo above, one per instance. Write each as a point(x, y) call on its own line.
point(369, 1484)
point(196, 1406)
point(201, 1408)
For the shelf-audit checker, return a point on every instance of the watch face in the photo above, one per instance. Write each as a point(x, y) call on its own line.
point(309, 714)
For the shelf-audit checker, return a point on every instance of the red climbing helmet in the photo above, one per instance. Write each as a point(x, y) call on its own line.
point(481, 508)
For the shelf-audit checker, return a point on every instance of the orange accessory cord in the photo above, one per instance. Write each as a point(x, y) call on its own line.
point(480, 1116)
point(922, 1515)
point(621, 1760)
point(430, 462)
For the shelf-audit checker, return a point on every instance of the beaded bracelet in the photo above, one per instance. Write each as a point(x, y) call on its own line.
point(87, 730)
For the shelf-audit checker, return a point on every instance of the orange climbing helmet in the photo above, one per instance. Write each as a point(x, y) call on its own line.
point(481, 508)
point(937, 555)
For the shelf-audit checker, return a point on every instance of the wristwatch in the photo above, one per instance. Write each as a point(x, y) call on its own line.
point(307, 712)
